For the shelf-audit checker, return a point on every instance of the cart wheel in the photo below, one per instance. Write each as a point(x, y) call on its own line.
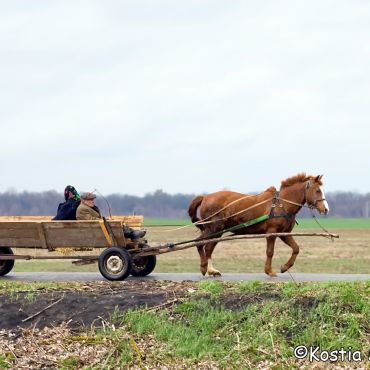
point(143, 266)
point(6, 265)
point(115, 263)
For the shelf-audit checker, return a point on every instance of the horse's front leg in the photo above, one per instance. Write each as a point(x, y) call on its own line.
point(269, 254)
point(295, 250)
point(209, 250)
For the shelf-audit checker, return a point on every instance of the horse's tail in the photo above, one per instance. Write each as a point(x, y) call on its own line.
point(192, 211)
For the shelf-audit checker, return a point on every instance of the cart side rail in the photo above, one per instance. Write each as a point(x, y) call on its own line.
point(59, 234)
point(135, 222)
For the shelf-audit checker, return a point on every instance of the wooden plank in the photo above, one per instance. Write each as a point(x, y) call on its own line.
point(136, 221)
point(18, 225)
point(5, 257)
point(81, 234)
point(19, 234)
point(20, 243)
point(61, 257)
point(42, 236)
point(106, 234)
point(25, 218)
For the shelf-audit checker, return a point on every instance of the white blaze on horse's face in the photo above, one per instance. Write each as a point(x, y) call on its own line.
point(326, 205)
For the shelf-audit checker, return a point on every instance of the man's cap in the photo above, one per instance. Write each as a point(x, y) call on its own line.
point(88, 196)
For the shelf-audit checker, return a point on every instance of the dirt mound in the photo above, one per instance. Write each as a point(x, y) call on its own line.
point(90, 305)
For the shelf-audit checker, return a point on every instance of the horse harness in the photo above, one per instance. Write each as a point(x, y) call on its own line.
point(276, 202)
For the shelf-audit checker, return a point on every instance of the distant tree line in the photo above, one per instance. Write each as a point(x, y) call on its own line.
point(158, 204)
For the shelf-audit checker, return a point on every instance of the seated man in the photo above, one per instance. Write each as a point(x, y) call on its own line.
point(67, 210)
point(87, 210)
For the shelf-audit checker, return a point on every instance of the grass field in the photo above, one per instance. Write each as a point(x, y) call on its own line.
point(348, 254)
point(263, 332)
point(304, 223)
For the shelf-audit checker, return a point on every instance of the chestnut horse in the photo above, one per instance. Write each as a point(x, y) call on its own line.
point(229, 211)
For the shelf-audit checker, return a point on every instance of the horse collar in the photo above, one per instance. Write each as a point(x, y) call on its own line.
point(276, 201)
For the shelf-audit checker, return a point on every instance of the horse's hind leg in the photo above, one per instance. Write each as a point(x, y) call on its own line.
point(203, 259)
point(295, 250)
point(269, 254)
point(209, 247)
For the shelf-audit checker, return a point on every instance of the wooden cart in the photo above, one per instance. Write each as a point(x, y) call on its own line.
point(119, 258)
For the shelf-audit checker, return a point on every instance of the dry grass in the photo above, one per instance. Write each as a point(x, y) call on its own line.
point(348, 254)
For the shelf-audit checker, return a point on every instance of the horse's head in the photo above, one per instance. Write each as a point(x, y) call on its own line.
point(315, 196)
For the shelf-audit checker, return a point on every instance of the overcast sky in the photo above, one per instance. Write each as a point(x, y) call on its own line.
point(186, 96)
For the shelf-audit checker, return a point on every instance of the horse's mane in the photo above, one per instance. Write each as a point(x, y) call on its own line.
point(301, 177)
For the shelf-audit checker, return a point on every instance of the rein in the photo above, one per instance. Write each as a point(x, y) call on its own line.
point(234, 214)
point(329, 236)
point(204, 220)
point(220, 210)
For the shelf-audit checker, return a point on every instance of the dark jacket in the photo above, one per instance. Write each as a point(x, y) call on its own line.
point(67, 210)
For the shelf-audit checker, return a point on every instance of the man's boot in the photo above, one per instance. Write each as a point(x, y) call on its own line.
point(133, 234)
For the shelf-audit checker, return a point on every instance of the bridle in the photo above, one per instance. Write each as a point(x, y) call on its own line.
point(311, 205)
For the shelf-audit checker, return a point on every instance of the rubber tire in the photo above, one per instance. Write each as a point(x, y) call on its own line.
point(6, 265)
point(123, 255)
point(145, 266)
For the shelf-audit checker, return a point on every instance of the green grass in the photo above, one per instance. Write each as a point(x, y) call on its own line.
point(69, 363)
point(148, 221)
point(304, 223)
point(52, 265)
point(5, 363)
point(242, 265)
point(275, 319)
point(334, 223)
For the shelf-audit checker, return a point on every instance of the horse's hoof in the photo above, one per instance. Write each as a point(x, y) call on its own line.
point(214, 273)
point(272, 274)
point(283, 269)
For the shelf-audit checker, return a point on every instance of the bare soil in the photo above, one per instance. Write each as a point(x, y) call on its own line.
point(86, 307)
point(94, 303)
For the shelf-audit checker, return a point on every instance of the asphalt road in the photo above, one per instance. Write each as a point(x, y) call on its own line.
point(95, 276)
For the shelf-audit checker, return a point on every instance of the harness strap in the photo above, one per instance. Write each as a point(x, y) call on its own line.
point(236, 227)
point(276, 201)
point(248, 223)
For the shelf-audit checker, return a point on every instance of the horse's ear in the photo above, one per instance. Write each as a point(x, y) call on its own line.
point(318, 178)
